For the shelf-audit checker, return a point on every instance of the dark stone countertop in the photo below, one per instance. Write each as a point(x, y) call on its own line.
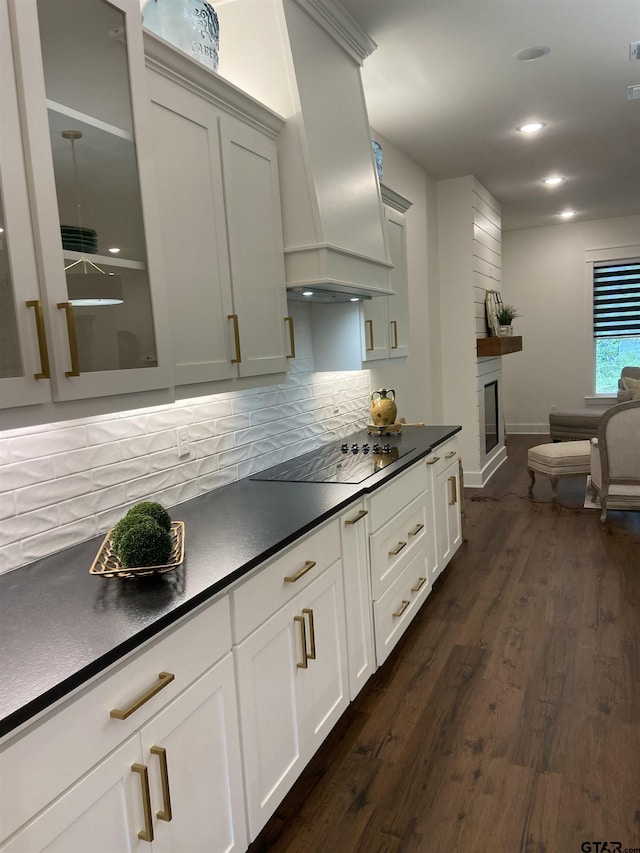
point(61, 626)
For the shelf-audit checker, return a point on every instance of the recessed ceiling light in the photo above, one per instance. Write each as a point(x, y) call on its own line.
point(114, 250)
point(307, 292)
point(567, 214)
point(528, 54)
point(355, 299)
point(553, 180)
point(531, 127)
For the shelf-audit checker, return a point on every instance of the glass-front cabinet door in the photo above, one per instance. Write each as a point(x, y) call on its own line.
point(92, 195)
point(24, 366)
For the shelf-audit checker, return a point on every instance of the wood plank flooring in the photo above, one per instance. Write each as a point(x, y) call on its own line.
point(508, 717)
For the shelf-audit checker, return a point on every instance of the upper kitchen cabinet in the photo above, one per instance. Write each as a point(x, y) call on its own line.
point(24, 366)
point(80, 86)
point(217, 175)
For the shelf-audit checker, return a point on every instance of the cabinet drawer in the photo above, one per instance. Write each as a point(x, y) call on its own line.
point(395, 544)
point(278, 581)
point(443, 456)
point(397, 607)
point(47, 758)
point(385, 502)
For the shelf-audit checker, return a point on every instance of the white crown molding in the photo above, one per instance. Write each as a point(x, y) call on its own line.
point(395, 200)
point(176, 65)
point(334, 20)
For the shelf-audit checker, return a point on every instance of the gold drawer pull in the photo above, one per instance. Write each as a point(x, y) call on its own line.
point(164, 678)
point(303, 632)
point(397, 549)
point(394, 323)
point(45, 371)
point(73, 342)
point(165, 813)
point(369, 323)
point(292, 341)
point(416, 530)
point(361, 514)
point(454, 491)
point(403, 607)
point(236, 338)
point(419, 585)
point(433, 460)
point(309, 564)
point(312, 633)
point(450, 454)
point(145, 834)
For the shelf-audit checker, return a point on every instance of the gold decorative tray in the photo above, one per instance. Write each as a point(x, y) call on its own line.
point(108, 565)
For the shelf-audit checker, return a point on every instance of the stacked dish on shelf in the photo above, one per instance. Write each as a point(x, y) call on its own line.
point(76, 239)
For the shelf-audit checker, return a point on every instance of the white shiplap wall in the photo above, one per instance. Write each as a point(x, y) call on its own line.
point(63, 483)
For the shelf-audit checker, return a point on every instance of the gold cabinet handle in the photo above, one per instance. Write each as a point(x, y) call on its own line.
point(403, 607)
point(450, 454)
point(433, 460)
point(236, 338)
point(303, 634)
point(145, 834)
point(454, 491)
point(165, 812)
point(73, 343)
point(292, 340)
point(394, 323)
point(312, 634)
point(309, 564)
point(361, 514)
point(397, 549)
point(164, 678)
point(419, 585)
point(369, 324)
point(416, 530)
point(45, 370)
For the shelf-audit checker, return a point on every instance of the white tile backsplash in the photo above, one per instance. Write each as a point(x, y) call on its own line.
point(61, 484)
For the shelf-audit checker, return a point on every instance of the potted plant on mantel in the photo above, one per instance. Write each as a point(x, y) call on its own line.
point(505, 315)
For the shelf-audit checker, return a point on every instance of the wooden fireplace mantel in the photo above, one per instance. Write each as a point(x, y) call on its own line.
point(498, 345)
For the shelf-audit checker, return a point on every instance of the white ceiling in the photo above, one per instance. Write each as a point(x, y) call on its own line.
point(444, 86)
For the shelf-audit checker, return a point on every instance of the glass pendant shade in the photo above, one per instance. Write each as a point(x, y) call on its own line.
point(94, 288)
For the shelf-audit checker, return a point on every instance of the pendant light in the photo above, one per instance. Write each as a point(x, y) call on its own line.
point(92, 286)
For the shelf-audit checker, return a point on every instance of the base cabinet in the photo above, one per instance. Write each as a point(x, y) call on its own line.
point(447, 502)
point(292, 689)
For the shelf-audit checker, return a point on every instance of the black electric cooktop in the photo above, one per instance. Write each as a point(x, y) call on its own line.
point(342, 463)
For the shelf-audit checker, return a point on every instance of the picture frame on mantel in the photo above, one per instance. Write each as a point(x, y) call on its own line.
point(493, 303)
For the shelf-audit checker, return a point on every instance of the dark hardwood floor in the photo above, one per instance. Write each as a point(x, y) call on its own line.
point(508, 717)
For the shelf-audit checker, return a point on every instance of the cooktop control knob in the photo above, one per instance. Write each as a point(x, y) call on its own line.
point(344, 448)
point(354, 448)
point(365, 448)
point(386, 448)
point(376, 448)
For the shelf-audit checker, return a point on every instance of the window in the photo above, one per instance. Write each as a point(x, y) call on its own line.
point(616, 322)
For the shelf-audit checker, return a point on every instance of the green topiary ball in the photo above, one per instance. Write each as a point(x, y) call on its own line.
point(144, 543)
point(153, 510)
point(121, 528)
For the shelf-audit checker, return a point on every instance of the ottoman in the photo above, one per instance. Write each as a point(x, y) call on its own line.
point(579, 424)
point(565, 459)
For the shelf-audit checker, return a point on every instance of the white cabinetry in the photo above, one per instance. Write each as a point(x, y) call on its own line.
point(357, 596)
point(88, 161)
point(216, 169)
point(164, 769)
point(444, 467)
point(386, 318)
point(400, 546)
point(291, 664)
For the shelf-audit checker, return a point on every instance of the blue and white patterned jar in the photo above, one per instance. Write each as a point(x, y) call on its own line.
point(190, 25)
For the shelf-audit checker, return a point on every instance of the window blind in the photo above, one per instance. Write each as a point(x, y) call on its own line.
point(616, 300)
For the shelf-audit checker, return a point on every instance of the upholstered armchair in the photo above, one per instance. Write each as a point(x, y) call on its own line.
point(615, 458)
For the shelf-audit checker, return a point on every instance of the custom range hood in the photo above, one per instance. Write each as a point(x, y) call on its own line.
point(302, 58)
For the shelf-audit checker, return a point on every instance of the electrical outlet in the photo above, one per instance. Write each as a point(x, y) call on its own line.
point(182, 435)
point(634, 50)
point(336, 407)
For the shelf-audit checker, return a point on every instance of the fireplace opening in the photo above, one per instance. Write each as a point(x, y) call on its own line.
point(490, 415)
